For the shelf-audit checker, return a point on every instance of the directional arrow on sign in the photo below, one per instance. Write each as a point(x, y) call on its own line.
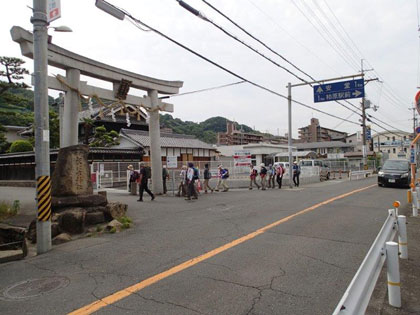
point(356, 93)
point(319, 90)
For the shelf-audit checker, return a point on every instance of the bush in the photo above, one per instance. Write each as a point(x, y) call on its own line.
point(21, 146)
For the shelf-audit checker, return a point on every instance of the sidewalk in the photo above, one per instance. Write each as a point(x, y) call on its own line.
point(410, 276)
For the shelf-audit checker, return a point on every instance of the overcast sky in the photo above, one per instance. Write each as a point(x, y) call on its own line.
point(383, 32)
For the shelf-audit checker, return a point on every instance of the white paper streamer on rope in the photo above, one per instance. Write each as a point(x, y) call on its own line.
point(90, 106)
point(127, 118)
point(113, 115)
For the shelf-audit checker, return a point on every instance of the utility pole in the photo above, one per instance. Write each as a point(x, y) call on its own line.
point(289, 112)
point(41, 126)
point(364, 149)
point(414, 120)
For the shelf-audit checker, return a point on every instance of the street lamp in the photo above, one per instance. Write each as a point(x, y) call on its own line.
point(110, 9)
point(62, 29)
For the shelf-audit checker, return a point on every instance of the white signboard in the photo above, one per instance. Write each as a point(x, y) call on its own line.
point(53, 10)
point(101, 169)
point(171, 162)
point(242, 158)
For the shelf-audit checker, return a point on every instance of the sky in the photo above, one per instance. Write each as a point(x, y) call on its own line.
point(324, 38)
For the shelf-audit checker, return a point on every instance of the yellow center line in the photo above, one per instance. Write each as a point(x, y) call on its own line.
point(119, 295)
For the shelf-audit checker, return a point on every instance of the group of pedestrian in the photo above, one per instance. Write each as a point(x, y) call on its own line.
point(268, 176)
point(190, 184)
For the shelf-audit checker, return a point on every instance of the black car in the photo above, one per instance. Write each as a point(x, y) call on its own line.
point(395, 173)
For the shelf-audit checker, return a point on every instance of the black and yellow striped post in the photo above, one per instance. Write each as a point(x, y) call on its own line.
point(43, 191)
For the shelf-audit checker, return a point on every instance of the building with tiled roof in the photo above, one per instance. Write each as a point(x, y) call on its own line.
point(184, 147)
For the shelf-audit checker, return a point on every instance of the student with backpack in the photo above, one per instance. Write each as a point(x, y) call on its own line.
point(190, 179)
point(263, 174)
point(207, 177)
point(296, 173)
point(279, 174)
point(253, 173)
point(143, 180)
point(134, 175)
point(223, 176)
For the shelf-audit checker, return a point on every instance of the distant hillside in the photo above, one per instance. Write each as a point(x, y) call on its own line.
point(205, 131)
point(17, 106)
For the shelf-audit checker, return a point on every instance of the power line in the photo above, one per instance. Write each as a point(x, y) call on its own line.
point(256, 39)
point(322, 35)
point(202, 16)
point(203, 90)
point(138, 23)
point(224, 68)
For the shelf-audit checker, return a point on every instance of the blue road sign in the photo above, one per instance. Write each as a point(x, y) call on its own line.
point(368, 133)
point(339, 90)
point(418, 129)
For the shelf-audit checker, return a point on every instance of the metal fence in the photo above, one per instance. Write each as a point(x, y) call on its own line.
point(116, 174)
point(346, 166)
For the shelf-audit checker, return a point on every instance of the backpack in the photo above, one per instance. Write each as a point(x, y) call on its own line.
point(254, 172)
point(148, 171)
point(195, 176)
point(207, 174)
point(135, 176)
point(226, 175)
point(263, 170)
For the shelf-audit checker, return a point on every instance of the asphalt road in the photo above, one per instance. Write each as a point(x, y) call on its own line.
point(302, 265)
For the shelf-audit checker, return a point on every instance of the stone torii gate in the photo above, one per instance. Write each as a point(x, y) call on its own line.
point(75, 65)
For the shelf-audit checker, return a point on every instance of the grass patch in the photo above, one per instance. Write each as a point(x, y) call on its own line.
point(113, 230)
point(8, 210)
point(125, 221)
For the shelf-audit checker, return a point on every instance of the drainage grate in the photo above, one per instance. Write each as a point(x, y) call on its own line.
point(33, 288)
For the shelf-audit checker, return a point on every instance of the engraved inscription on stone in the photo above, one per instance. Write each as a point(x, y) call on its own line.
point(71, 175)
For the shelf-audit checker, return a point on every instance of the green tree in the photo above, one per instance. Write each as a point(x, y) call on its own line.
point(4, 145)
point(21, 146)
point(103, 138)
point(54, 130)
point(88, 125)
point(13, 72)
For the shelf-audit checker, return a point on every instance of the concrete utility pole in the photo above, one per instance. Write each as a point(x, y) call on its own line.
point(289, 112)
point(41, 126)
point(155, 149)
point(414, 120)
point(364, 148)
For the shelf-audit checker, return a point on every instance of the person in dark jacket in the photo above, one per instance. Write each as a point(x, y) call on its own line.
point(190, 179)
point(165, 176)
point(143, 183)
point(296, 173)
point(207, 177)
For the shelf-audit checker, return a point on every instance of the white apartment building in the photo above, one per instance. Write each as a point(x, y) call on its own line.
point(395, 143)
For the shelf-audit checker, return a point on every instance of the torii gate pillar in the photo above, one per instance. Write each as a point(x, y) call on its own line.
point(71, 110)
point(155, 149)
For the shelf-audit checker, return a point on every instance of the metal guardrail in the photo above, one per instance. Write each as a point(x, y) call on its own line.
point(360, 174)
point(356, 298)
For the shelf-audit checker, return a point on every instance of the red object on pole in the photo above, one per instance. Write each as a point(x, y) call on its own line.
point(417, 101)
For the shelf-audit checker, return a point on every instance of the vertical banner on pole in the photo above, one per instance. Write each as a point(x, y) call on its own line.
point(43, 191)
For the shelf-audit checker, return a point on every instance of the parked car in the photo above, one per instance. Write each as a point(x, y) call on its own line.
point(324, 169)
point(395, 173)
